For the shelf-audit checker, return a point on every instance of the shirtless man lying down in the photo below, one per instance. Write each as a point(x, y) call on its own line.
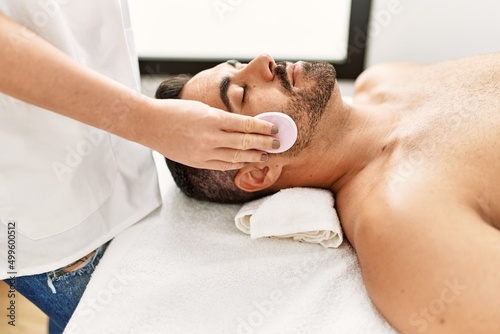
point(414, 163)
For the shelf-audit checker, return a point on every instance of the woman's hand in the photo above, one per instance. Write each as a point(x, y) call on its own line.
point(195, 134)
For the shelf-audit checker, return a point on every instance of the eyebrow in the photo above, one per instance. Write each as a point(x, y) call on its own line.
point(224, 87)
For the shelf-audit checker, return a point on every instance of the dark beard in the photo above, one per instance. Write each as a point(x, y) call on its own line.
point(308, 106)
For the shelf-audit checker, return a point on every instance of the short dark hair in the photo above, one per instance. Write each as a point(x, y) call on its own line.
point(202, 184)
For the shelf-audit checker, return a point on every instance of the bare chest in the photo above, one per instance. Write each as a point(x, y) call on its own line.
point(458, 159)
point(448, 138)
point(453, 139)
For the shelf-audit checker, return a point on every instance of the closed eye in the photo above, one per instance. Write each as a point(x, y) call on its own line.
point(244, 97)
point(234, 63)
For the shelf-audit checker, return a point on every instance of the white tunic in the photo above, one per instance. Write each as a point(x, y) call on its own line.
point(69, 187)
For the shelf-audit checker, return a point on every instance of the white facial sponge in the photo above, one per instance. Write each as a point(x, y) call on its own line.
point(287, 133)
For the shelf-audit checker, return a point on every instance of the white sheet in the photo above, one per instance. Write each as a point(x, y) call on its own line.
point(187, 269)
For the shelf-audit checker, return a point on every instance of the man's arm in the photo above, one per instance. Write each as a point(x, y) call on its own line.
point(430, 264)
point(36, 72)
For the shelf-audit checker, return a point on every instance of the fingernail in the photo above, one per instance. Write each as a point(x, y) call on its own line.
point(276, 144)
point(274, 130)
point(264, 157)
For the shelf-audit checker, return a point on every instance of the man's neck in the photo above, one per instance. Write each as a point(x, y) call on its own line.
point(359, 135)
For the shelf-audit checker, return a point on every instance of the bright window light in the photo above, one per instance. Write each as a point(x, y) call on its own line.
point(241, 29)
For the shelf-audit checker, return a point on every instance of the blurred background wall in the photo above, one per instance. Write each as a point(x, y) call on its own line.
point(429, 31)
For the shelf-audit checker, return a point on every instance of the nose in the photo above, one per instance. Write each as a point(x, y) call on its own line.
point(261, 67)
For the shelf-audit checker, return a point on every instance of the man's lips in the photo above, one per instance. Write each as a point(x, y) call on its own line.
point(290, 70)
point(293, 71)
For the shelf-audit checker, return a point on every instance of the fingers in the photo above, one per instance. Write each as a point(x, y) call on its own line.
point(228, 159)
point(224, 141)
point(241, 152)
point(248, 141)
point(243, 156)
point(223, 165)
point(239, 156)
point(247, 124)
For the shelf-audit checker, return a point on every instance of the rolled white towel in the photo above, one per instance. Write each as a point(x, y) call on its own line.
point(304, 214)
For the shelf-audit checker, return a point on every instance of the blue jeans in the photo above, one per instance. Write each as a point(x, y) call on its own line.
point(57, 293)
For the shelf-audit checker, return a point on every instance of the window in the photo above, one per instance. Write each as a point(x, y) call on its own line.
point(179, 36)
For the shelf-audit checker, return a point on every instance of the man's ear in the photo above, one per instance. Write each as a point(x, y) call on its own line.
point(254, 178)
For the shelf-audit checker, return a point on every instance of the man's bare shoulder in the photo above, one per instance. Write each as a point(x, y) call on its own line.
point(390, 208)
point(391, 76)
point(381, 75)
